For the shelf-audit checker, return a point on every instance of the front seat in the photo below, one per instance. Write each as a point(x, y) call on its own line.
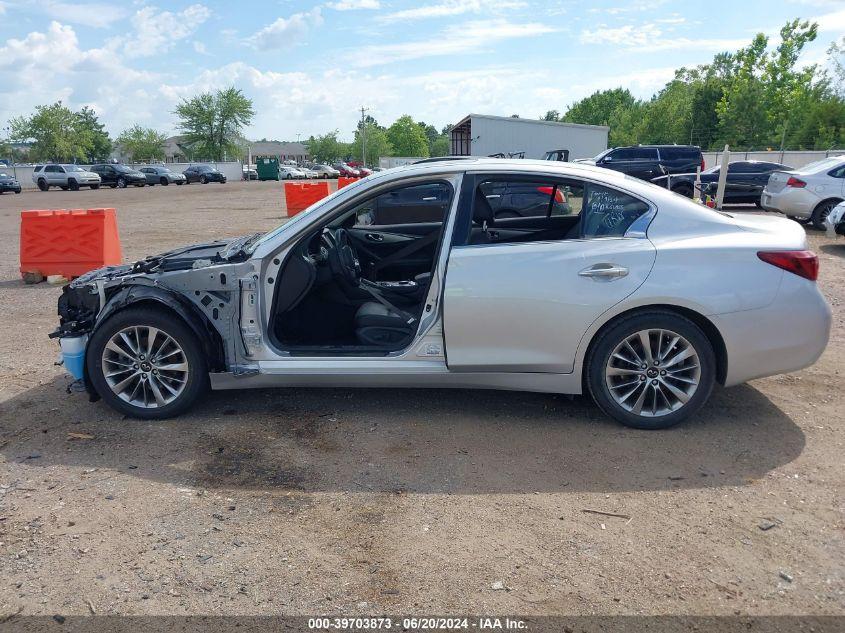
point(376, 324)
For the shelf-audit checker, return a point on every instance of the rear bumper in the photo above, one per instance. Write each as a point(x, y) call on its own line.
point(787, 335)
point(797, 202)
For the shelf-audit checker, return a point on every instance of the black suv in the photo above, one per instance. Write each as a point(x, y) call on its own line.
point(119, 176)
point(651, 161)
point(204, 174)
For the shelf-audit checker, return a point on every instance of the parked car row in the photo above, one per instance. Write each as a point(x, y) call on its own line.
point(118, 176)
point(809, 193)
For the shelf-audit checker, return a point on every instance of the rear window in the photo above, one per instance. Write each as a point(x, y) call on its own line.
point(608, 212)
point(680, 153)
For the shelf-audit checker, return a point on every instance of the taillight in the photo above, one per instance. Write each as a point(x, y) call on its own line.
point(548, 192)
point(803, 263)
point(702, 163)
point(795, 182)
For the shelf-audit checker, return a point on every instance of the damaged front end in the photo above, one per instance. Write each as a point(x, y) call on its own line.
point(198, 284)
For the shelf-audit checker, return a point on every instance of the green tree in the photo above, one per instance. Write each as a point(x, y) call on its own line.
point(101, 144)
point(213, 122)
point(325, 148)
point(599, 107)
point(442, 146)
point(58, 134)
point(551, 115)
point(142, 143)
point(407, 138)
point(376, 141)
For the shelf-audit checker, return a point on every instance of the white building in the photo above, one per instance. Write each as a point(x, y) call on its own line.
point(485, 135)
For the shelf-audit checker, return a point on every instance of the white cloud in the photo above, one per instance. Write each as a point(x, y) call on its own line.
point(30, 76)
point(649, 37)
point(353, 5)
point(158, 31)
point(286, 32)
point(833, 22)
point(450, 8)
point(96, 14)
point(457, 39)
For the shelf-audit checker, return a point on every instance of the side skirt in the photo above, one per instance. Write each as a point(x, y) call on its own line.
point(419, 378)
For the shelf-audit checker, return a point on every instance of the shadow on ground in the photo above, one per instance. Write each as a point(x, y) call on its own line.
point(425, 441)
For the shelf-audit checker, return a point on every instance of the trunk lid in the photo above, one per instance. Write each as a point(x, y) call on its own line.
point(777, 181)
point(777, 231)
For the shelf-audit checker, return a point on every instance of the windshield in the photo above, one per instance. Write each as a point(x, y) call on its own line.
point(123, 169)
point(601, 155)
point(70, 168)
point(163, 170)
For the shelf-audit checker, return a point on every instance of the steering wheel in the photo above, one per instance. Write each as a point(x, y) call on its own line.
point(343, 259)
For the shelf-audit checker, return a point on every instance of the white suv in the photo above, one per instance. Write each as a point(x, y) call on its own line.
point(65, 176)
point(809, 192)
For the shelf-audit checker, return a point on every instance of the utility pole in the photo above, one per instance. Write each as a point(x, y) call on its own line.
point(364, 136)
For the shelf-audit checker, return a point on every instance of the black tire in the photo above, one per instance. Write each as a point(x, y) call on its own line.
point(73, 185)
point(821, 212)
point(164, 181)
point(179, 183)
point(95, 186)
point(42, 185)
point(684, 190)
point(204, 180)
point(609, 338)
point(121, 182)
point(197, 381)
point(63, 187)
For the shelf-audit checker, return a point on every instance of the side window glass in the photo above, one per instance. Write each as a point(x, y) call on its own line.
point(517, 199)
point(609, 213)
point(417, 204)
point(838, 172)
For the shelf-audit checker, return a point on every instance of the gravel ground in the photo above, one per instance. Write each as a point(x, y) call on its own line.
point(401, 501)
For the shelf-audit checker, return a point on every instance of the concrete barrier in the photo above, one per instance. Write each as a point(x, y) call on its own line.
point(796, 158)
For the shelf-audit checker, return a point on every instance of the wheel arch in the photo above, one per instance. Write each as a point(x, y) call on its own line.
point(707, 326)
point(136, 296)
point(836, 199)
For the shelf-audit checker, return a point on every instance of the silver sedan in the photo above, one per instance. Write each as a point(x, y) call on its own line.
point(161, 175)
point(496, 274)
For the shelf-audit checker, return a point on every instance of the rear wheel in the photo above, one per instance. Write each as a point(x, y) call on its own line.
point(121, 182)
point(204, 180)
point(821, 212)
point(651, 370)
point(164, 181)
point(147, 363)
point(42, 184)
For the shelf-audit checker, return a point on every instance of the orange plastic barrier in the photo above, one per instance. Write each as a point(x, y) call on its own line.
point(68, 243)
point(301, 195)
point(342, 181)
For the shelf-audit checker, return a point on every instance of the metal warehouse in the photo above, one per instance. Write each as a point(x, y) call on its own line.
point(485, 135)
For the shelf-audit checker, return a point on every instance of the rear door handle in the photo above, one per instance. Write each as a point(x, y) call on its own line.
point(605, 272)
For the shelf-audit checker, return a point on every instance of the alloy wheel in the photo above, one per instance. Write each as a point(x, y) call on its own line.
point(145, 366)
point(653, 372)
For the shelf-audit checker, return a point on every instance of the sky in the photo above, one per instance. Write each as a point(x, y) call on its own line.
point(310, 67)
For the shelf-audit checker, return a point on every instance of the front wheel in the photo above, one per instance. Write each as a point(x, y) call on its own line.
point(121, 182)
point(95, 186)
point(147, 364)
point(203, 180)
point(651, 370)
point(164, 181)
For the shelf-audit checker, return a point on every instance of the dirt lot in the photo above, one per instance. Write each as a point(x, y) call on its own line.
point(404, 501)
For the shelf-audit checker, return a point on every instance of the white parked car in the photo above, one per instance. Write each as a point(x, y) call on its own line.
point(835, 221)
point(65, 176)
point(415, 277)
point(288, 172)
point(309, 173)
point(807, 193)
